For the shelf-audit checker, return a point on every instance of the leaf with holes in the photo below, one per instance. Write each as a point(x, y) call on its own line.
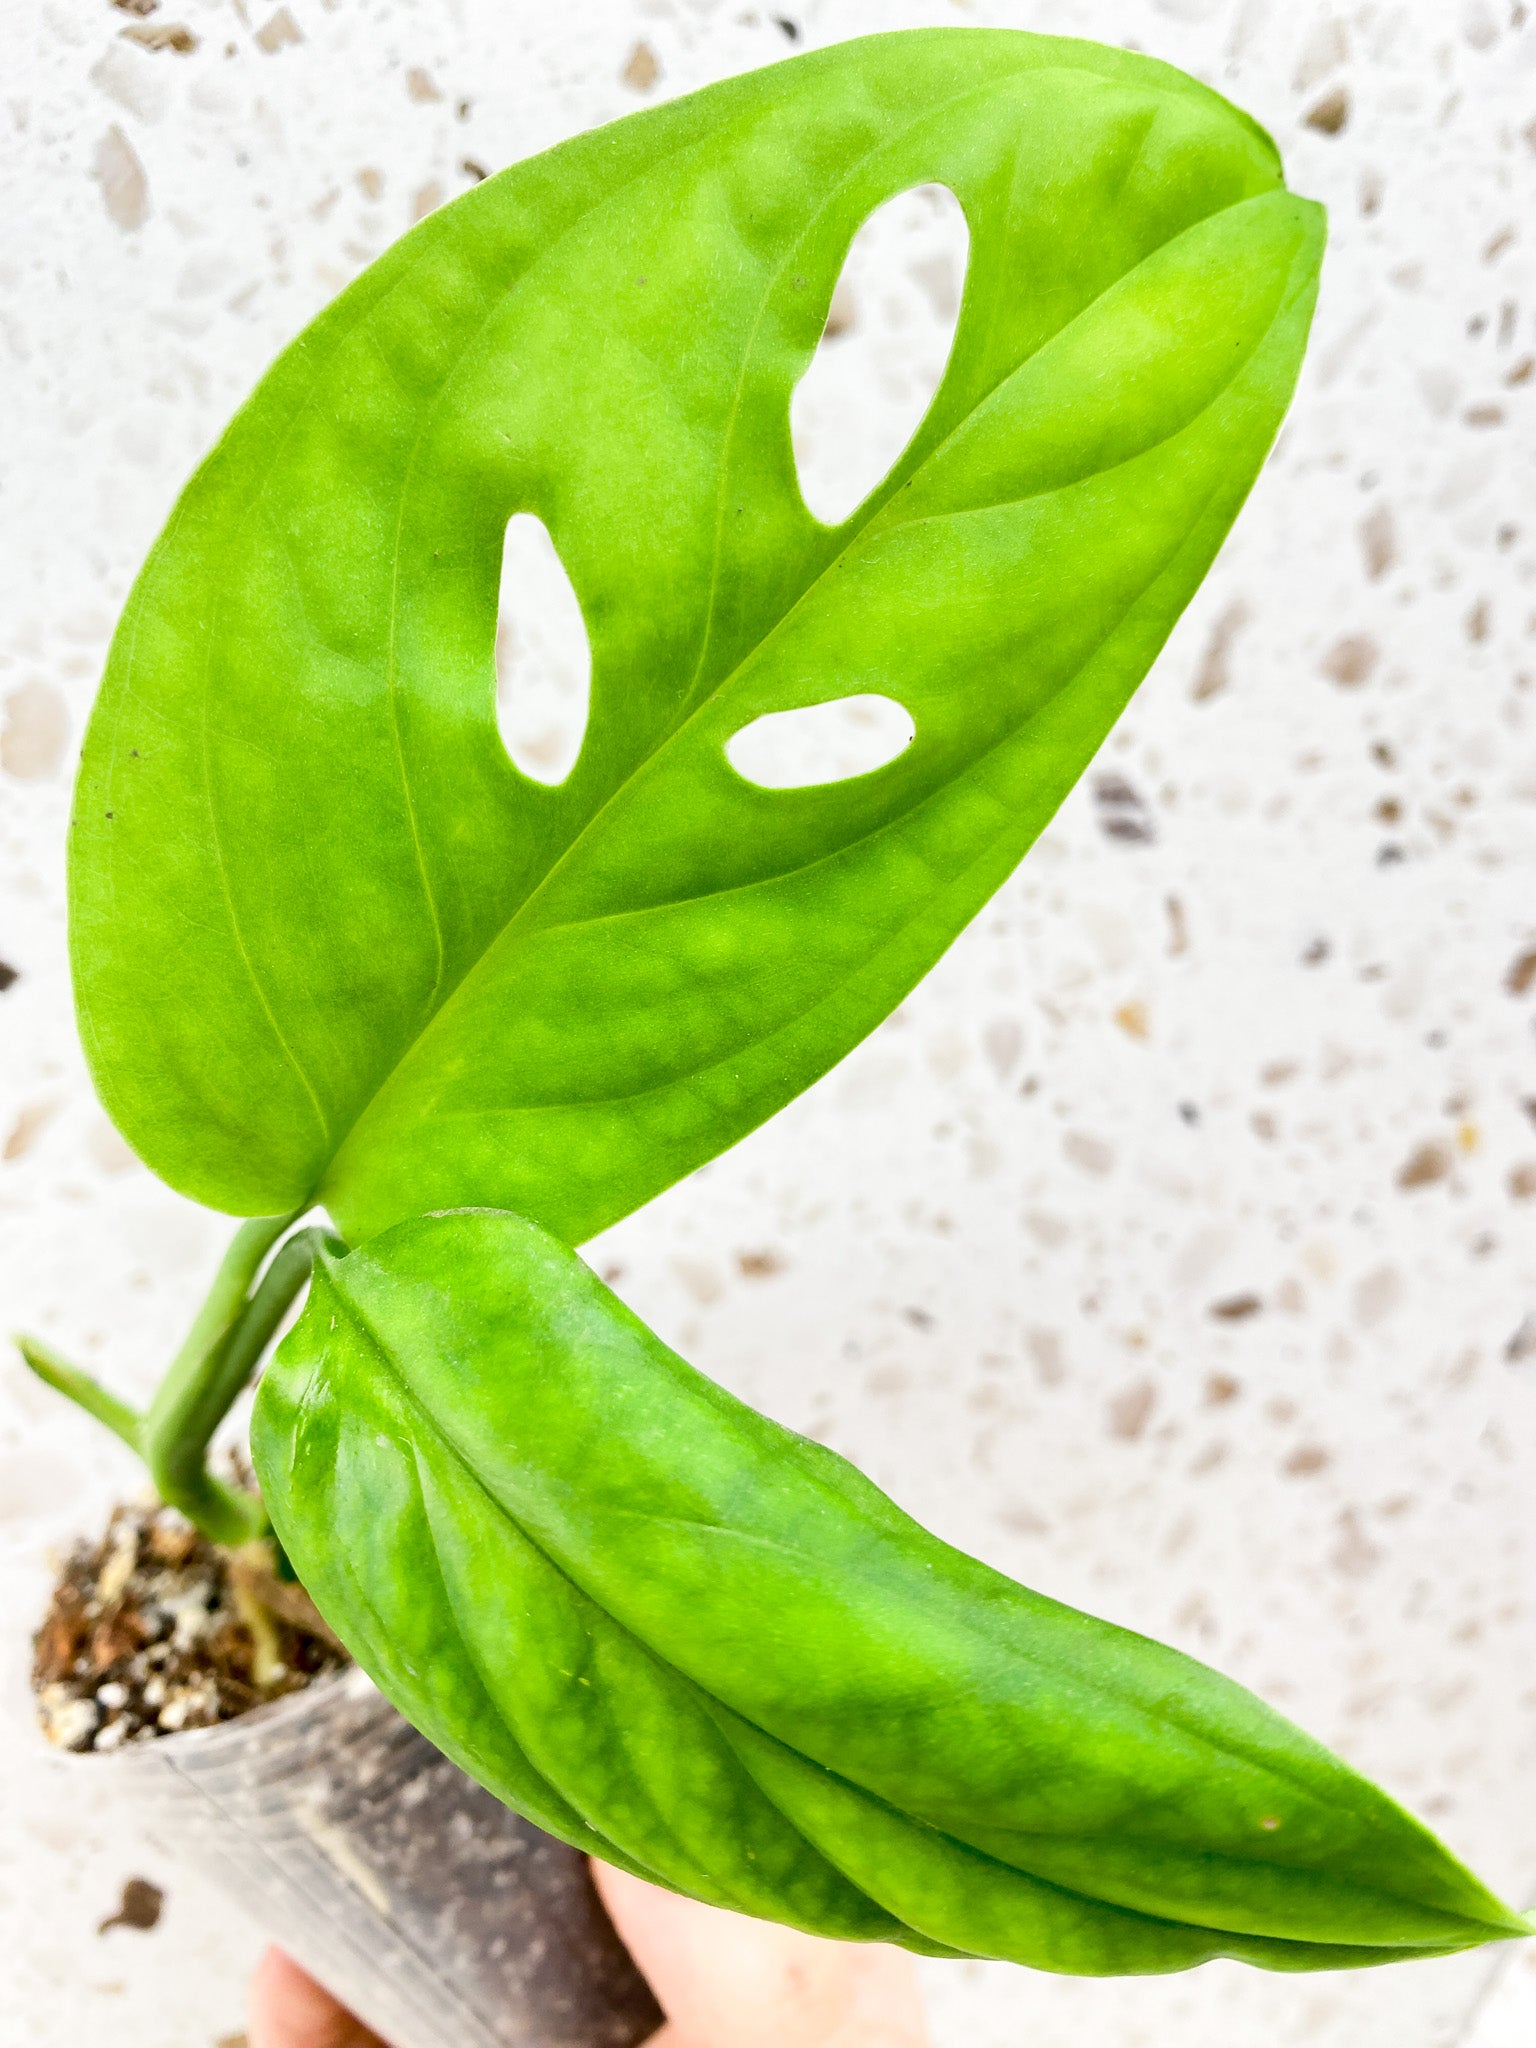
point(706, 1649)
point(329, 941)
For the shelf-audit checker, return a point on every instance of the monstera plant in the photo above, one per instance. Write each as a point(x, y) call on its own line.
point(332, 949)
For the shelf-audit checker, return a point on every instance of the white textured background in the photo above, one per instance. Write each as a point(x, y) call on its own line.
point(987, 1257)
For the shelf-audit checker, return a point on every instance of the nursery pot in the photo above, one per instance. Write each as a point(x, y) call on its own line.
point(434, 1912)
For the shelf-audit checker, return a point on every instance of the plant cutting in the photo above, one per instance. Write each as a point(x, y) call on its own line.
point(334, 952)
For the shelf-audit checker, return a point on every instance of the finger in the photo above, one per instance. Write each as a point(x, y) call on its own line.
point(288, 2009)
point(725, 1981)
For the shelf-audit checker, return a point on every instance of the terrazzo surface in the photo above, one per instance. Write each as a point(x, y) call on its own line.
point(1172, 1248)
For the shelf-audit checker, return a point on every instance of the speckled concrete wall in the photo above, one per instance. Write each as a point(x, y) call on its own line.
point(1172, 1247)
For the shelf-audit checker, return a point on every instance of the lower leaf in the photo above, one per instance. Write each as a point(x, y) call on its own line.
point(687, 1640)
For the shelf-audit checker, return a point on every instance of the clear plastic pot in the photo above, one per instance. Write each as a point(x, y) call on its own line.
point(437, 1915)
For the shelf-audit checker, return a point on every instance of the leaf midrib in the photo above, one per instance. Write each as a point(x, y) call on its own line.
point(874, 506)
point(437, 1429)
point(713, 1706)
point(432, 1007)
point(890, 825)
point(441, 1430)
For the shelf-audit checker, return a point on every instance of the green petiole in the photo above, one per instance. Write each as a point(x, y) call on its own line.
point(85, 1392)
point(222, 1349)
point(200, 1387)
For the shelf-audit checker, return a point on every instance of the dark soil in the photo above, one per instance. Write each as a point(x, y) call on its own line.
point(153, 1630)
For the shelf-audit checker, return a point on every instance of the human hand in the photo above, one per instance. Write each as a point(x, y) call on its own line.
point(725, 1981)
point(722, 1980)
point(288, 2009)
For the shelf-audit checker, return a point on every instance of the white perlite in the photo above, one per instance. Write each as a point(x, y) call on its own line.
point(1172, 1248)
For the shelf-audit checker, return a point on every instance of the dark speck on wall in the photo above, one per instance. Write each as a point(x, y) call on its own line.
point(1330, 116)
point(1237, 1308)
point(140, 1907)
point(1123, 811)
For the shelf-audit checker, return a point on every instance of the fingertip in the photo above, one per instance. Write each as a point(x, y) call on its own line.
point(663, 1931)
point(288, 2009)
point(726, 1980)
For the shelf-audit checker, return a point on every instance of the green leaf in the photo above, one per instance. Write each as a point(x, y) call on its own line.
point(686, 1639)
point(328, 941)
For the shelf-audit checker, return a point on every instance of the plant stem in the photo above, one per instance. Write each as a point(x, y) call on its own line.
point(225, 1300)
point(222, 1349)
point(230, 1364)
point(84, 1391)
point(195, 1395)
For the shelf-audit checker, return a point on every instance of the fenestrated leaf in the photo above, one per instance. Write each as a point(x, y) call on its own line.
point(677, 1634)
point(327, 938)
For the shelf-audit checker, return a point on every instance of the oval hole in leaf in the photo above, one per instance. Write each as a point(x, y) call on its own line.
point(819, 743)
point(883, 351)
point(543, 658)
